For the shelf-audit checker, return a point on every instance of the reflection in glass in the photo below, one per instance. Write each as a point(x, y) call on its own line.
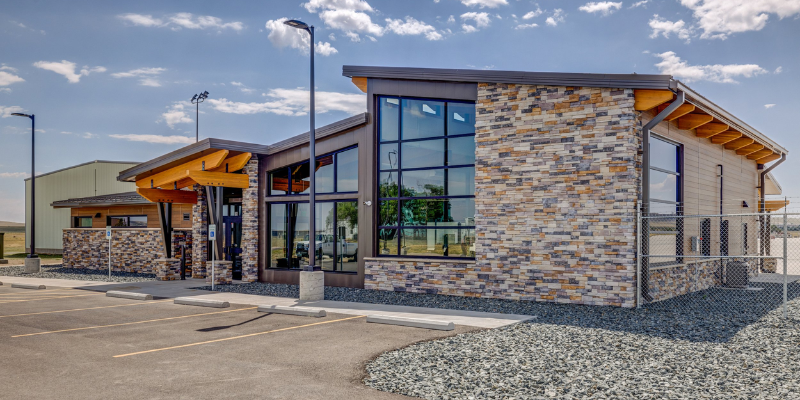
point(437, 242)
point(387, 184)
point(387, 213)
point(324, 174)
point(298, 220)
point(347, 236)
point(279, 182)
point(461, 151)
point(388, 156)
point(138, 222)
point(324, 220)
point(300, 179)
point(438, 212)
point(460, 118)
point(423, 154)
point(428, 182)
point(347, 171)
point(663, 186)
point(461, 181)
point(422, 118)
point(663, 154)
point(387, 241)
point(279, 231)
point(390, 116)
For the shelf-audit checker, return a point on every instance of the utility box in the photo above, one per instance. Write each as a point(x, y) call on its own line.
point(696, 243)
point(736, 275)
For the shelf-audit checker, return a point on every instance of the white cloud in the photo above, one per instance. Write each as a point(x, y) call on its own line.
point(176, 115)
point(138, 72)
point(14, 175)
point(720, 18)
point(181, 20)
point(294, 102)
point(639, 4)
point(354, 5)
point(371, 38)
point(556, 18)
point(778, 70)
point(526, 26)
point(285, 36)
point(484, 3)
point(768, 106)
point(663, 27)
point(5, 112)
point(412, 27)
point(532, 14)
point(4, 67)
point(671, 64)
point(350, 21)
point(603, 7)
point(158, 139)
point(332, 37)
point(354, 37)
point(7, 78)
point(152, 82)
point(481, 19)
point(89, 135)
point(451, 19)
point(67, 69)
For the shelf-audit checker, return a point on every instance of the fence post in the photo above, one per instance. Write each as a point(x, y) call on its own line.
point(638, 257)
point(785, 256)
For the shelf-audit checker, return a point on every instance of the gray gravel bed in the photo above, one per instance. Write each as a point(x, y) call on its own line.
point(57, 271)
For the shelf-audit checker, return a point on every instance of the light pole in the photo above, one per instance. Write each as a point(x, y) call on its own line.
point(312, 245)
point(197, 99)
point(32, 254)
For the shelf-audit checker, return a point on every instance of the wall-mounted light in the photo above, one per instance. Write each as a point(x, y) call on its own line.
point(745, 205)
point(97, 215)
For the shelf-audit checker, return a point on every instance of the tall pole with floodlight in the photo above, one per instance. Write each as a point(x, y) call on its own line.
point(32, 262)
point(197, 99)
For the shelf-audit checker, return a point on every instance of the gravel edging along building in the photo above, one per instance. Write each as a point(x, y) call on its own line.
point(492, 184)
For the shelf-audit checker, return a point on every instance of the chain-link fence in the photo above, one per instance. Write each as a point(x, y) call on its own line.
point(748, 263)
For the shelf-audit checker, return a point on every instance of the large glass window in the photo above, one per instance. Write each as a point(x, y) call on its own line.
point(83, 222)
point(336, 172)
point(127, 221)
point(336, 225)
point(665, 236)
point(426, 178)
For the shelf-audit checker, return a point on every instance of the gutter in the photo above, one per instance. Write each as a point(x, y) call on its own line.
point(761, 177)
point(644, 287)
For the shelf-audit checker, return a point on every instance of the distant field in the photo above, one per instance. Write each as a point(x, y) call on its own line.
point(13, 229)
point(14, 242)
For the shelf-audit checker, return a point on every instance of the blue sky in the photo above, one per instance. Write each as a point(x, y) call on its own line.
point(112, 80)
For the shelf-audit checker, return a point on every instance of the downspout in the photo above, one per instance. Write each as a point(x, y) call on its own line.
point(644, 236)
point(762, 208)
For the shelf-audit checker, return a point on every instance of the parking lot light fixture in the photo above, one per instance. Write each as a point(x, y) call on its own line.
point(33, 182)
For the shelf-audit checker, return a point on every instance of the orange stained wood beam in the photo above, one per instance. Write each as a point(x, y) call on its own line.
point(360, 82)
point(645, 99)
point(739, 143)
point(167, 179)
point(749, 149)
point(759, 154)
point(205, 178)
point(230, 164)
point(682, 110)
point(774, 205)
point(168, 196)
point(771, 157)
point(725, 137)
point(694, 121)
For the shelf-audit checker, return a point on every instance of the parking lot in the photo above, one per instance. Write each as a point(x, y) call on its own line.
point(76, 344)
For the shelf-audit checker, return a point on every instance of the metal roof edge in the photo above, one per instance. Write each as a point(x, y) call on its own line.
point(321, 132)
point(635, 81)
point(774, 181)
point(82, 164)
point(720, 113)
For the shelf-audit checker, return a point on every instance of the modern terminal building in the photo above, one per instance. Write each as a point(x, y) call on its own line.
point(499, 184)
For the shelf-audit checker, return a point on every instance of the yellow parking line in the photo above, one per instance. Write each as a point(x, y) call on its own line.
point(132, 323)
point(29, 292)
point(83, 309)
point(236, 337)
point(51, 298)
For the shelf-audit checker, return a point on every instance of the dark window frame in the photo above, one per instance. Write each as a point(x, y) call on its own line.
point(398, 227)
point(76, 224)
point(290, 233)
point(335, 163)
point(678, 203)
point(127, 220)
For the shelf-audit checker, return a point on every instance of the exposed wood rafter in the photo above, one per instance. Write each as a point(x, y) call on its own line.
point(221, 179)
point(710, 129)
point(769, 158)
point(230, 164)
point(749, 149)
point(692, 121)
point(682, 110)
point(360, 82)
point(739, 143)
point(167, 179)
point(168, 196)
point(725, 137)
point(759, 154)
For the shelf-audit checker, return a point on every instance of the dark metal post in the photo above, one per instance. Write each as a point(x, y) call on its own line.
point(197, 123)
point(33, 188)
point(312, 244)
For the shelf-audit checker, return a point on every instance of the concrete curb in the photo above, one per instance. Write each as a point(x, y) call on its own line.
point(27, 286)
point(412, 322)
point(301, 311)
point(129, 295)
point(188, 301)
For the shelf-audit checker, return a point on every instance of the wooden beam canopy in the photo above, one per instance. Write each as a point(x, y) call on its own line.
point(774, 205)
point(739, 143)
point(645, 99)
point(759, 154)
point(167, 178)
point(230, 164)
point(771, 157)
point(168, 196)
point(682, 110)
point(360, 82)
point(205, 178)
point(725, 137)
point(692, 121)
point(752, 148)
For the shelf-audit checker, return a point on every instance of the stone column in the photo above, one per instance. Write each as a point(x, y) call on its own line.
point(167, 269)
point(199, 234)
point(223, 273)
point(250, 223)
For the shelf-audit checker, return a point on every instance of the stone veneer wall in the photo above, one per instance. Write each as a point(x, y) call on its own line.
point(556, 187)
point(676, 280)
point(132, 250)
point(199, 233)
point(250, 223)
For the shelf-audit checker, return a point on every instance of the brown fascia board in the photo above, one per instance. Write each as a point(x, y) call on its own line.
point(189, 153)
point(321, 132)
point(633, 81)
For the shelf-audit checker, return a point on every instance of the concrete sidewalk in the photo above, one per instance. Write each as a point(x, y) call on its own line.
point(172, 289)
